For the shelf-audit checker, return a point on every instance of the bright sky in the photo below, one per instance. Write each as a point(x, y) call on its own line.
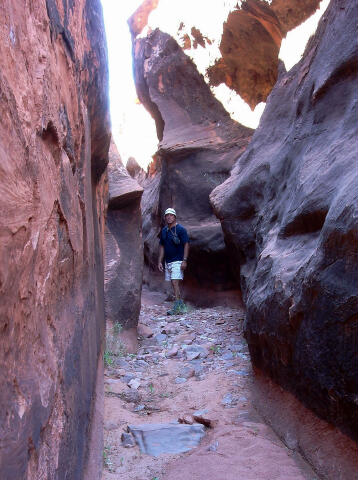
point(132, 126)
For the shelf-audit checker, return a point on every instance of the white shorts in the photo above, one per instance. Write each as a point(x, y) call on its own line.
point(173, 271)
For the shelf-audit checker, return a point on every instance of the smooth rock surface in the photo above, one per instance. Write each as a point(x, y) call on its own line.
point(156, 439)
point(289, 212)
point(54, 140)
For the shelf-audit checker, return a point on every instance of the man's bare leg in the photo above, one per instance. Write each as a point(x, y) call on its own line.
point(176, 289)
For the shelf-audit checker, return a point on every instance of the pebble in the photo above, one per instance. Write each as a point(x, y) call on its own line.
point(187, 419)
point(120, 362)
point(170, 329)
point(127, 378)
point(160, 338)
point(227, 356)
point(180, 380)
point(131, 396)
point(172, 352)
point(228, 400)
point(134, 383)
point(144, 331)
point(138, 408)
point(194, 351)
point(213, 447)
point(140, 364)
point(127, 440)
point(186, 372)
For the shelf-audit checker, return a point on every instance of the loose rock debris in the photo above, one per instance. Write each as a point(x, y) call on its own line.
point(187, 393)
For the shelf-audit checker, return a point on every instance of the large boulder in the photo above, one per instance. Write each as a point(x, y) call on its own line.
point(199, 143)
point(124, 247)
point(54, 139)
point(289, 212)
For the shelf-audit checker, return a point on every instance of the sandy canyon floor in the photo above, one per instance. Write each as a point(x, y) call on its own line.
point(192, 368)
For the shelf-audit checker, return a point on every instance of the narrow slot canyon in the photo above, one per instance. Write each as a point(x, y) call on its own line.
point(251, 372)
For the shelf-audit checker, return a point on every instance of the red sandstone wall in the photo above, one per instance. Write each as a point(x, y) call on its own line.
point(54, 137)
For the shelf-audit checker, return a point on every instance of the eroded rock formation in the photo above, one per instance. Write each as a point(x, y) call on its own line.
point(198, 146)
point(289, 212)
point(124, 246)
point(54, 139)
point(251, 42)
point(139, 19)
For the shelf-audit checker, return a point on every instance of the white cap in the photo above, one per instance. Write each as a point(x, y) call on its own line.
point(170, 210)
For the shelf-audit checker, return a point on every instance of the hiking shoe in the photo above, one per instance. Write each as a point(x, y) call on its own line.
point(182, 307)
point(176, 308)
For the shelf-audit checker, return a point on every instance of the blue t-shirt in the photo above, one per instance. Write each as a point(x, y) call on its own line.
point(173, 252)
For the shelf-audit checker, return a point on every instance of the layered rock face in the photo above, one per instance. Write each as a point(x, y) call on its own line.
point(289, 213)
point(251, 42)
point(54, 139)
point(198, 146)
point(124, 246)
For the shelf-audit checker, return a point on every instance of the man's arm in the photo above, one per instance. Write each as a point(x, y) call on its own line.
point(161, 256)
point(186, 254)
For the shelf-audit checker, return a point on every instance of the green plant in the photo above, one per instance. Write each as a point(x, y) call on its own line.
point(117, 328)
point(108, 359)
point(216, 349)
point(151, 387)
point(107, 463)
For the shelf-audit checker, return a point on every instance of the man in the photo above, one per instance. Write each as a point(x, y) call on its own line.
point(174, 249)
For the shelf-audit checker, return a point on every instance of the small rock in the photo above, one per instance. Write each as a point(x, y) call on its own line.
point(187, 419)
point(227, 356)
point(172, 320)
point(172, 352)
point(131, 396)
point(220, 321)
point(201, 416)
point(140, 364)
point(127, 440)
point(186, 372)
point(120, 362)
point(138, 408)
point(195, 351)
point(228, 400)
point(213, 447)
point(144, 331)
point(170, 329)
point(127, 378)
point(180, 380)
point(134, 383)
point(160, 338)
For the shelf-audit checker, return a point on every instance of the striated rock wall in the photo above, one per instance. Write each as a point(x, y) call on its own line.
point(289, 213)
point(124, 247)
point(54, 139)
point(199, 143)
